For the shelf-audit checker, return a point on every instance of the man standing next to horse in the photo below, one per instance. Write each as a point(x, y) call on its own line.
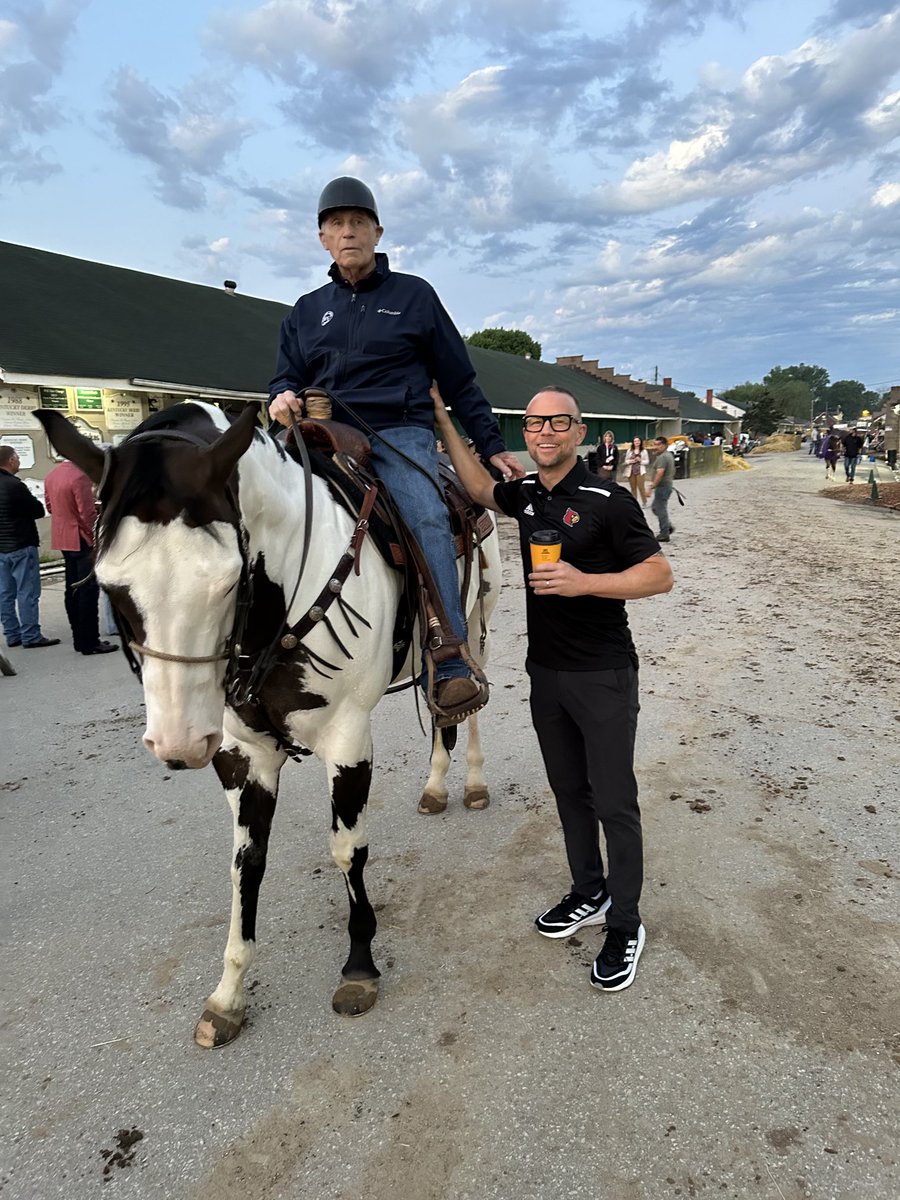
point(379, 341)
point(582, 664)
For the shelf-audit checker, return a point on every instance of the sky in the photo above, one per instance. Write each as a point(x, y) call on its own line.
point(698, 189)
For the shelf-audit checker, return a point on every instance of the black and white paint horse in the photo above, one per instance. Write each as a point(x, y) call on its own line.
point(192, 509)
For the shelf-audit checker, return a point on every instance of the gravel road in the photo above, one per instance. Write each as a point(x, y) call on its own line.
point(756, 1054)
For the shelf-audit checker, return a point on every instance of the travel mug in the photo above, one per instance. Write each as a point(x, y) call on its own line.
point(546, 546)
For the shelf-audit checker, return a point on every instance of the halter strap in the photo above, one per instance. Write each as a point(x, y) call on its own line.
point(146, 652)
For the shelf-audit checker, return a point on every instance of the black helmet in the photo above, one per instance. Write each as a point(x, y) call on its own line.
point(346, 192)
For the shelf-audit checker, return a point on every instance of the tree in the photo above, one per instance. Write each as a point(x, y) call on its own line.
point(795, 397)
point(850, 397)
point(762, 409)
point(509, 341)
point(816, 378)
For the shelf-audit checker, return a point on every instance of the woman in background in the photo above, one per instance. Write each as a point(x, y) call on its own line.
point(607, 457)
point(636, 462)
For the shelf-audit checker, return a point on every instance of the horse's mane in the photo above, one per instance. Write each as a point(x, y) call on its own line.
point(141, 481)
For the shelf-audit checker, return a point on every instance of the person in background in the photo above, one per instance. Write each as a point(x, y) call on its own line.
point(853, 445)
point(20, 568)
point(582, 666)
point(663, 480)
point(707, 440)
point(70, 503)
point(831, 448)
point(607, 456)
point(379, 340)
point(636, 462)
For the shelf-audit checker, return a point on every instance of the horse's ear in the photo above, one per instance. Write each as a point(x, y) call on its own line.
point(67, 441)
point(223, 454)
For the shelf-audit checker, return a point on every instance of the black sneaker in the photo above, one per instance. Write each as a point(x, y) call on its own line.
point(573, 912)
point(616, 965)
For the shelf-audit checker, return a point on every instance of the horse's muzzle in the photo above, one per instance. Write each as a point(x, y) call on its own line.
point(186, 756)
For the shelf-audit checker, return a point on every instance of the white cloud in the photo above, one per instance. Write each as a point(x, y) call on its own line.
point(886, 195)
point(792, 116)
point(889, 314)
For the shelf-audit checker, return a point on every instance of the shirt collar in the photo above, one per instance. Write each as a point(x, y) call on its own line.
point(570, 483)
point(375, 279)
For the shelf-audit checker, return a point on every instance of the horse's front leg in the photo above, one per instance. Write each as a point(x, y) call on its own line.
point(434, 794)
point(348, 760)
point(476, 794)
point(248, 771)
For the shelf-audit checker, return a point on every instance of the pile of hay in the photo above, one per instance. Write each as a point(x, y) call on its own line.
point(733, 462)
point(778, 443)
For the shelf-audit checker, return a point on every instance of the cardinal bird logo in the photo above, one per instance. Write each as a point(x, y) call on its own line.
point(571, 517)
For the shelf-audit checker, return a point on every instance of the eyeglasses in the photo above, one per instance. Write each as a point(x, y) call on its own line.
point(559, 423)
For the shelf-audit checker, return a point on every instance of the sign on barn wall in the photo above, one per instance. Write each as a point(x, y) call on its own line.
point(54, 397)
point(23, 446)
point(15, 409)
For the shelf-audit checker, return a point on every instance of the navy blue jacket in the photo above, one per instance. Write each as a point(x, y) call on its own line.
point(19, 510)
point(378, 346)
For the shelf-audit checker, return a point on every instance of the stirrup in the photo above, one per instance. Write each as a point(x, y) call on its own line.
point(444, 716)
point(448, 715)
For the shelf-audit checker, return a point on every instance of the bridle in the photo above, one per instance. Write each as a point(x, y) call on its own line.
point(245, 676)
point(135, 651)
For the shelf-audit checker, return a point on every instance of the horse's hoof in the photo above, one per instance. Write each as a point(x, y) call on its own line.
point(477, 798)
point(216, 1029)
point(430, 804)
point(355, 997)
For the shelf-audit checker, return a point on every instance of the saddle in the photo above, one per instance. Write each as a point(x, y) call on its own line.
point(344, 458)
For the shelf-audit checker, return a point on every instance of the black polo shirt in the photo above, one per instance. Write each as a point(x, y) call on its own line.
point(603, 530)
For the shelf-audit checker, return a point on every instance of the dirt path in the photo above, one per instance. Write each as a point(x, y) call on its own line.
point(755, 1056)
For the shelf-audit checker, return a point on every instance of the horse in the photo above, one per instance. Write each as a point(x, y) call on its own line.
point(203, 550)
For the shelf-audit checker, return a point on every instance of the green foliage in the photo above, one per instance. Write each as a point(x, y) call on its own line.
point(795, 397)
point(743, 394)
point(799, 391)
point(509, 341)
point(762, 409)
point(850, 397)
point(816, 378)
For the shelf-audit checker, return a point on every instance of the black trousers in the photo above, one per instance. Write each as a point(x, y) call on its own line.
point(82, 598)
point(586, 723)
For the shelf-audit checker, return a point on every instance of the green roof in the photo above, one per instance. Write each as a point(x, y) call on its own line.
point(79, 319)
point(510, 380)
point(83, 319)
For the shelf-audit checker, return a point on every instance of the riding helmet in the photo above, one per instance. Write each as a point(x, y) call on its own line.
point(346, 192)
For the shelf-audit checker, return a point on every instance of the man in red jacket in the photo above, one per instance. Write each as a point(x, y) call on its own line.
point(70, 502)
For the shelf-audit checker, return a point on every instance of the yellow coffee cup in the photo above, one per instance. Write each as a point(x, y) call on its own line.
point(546, 546)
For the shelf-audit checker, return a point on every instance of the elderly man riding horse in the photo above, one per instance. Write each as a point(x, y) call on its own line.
point(378, 341)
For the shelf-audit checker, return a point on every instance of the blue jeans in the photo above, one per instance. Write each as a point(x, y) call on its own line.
point(423, 510)
point(660, 507)
point(20, 587)
point(850, 465)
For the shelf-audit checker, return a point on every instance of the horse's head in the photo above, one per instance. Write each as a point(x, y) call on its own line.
point(169, 555)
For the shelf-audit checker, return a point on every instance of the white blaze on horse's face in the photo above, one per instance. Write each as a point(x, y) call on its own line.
point(182, 582)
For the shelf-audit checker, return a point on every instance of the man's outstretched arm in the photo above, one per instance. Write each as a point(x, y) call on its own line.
point(472, 474)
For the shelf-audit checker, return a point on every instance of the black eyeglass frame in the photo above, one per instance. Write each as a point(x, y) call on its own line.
point(567, 417)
